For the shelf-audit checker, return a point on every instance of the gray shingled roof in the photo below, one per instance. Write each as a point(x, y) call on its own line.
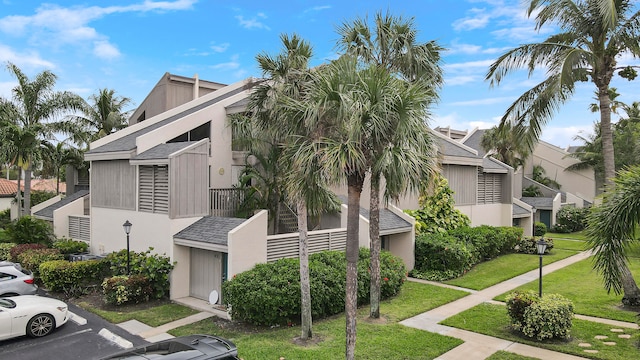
point(448, 149)
point(519, 211)
point(543, 203)
point(128, 142)
point(48, 211)
point(210, 229)
point(488, 165)
point(163, 151)
point(474, 142)
point(388, 220)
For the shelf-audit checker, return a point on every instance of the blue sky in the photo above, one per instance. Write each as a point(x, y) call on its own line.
point(127, 45)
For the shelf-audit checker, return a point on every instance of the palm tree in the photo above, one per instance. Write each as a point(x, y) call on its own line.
point(276, 121)
point(610, 232)
point(359, 107)
point(593, 34)
point(505, 143)
point(393, 45)
point(57, 156)
point(33, 109)
point(538, 175)
point(104, 114)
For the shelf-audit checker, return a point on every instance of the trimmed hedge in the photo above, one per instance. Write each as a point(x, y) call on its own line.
point(31, 259)
point(446, 256)
point(122, 289)
point(541, 318)
point(62, 275)
point(539, 228)
point(269, 294)
point(528, 245)
point(69, 246)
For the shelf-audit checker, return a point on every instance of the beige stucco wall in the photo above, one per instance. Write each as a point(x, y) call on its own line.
point(180, 279)
point(247, 244)
point(61, 216)
point(403, 245)
point(5, 203)
point(554, 160)
point(488, 214)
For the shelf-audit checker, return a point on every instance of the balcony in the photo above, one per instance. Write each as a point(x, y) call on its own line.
point(225, 202)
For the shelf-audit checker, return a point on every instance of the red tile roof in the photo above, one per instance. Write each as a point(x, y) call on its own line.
point(7, 188)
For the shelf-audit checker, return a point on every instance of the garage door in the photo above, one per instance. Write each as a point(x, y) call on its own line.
point(206, 273)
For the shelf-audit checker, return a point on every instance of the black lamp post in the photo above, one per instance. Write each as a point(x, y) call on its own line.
point(541, 246)
point(127, 229)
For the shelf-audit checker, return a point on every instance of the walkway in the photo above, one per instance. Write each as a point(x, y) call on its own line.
point(478, 346)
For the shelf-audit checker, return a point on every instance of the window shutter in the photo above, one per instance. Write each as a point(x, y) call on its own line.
point(153, 194)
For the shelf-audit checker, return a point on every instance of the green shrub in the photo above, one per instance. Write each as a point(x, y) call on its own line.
point(40, 196)
point(548, 318)
point(5, 251)
point(122, 289)
point(16, 250)
point(69, 246)
point(29, 230)
point(528, 245)
point(539, 228)
point(62, 275)
point(154, 267)
point(517, 304)
point(31, 259)
point(269, 294)
point(571, 219)
point(443, 253)
point(437, 213)
point(5, 218)
point(434, 275)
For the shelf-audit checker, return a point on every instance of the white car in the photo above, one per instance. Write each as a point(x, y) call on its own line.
point(31, 315)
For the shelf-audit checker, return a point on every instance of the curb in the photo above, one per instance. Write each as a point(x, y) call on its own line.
point(79, 320)
point(125, 344)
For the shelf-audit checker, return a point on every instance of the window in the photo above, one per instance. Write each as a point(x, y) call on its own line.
point(489, 188)
point(153, 185)
point(201, 132)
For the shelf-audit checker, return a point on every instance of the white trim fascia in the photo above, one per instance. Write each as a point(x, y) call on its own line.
point(149, 162)
point(112, 155)
point(459, 160)
point(201, 245)
point(396, 231)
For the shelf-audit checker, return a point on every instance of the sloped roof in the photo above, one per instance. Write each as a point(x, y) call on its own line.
point(128, 142)
point(163, 151)
point(519, 211)
point(450, 149)
point(542, 203)
point(8, 188)
point(388, 220)
point(48, 211)
point(473, 141)
point(210, 229)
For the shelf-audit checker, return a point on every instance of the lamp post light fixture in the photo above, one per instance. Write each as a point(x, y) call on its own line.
point(127, 229)
point(541, 246)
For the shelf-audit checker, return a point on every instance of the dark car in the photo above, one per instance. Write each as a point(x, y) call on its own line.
point(192, 347)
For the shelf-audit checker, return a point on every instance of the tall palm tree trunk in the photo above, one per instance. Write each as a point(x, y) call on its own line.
point(374, 236)
point(305, 285)
point(351, 298)
point(27, 191)
point(607, 135)
point(19, 193)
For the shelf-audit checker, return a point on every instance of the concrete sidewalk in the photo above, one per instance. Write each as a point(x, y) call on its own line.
point(478, 346)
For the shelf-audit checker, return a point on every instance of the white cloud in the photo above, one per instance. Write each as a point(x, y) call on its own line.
point(478, 21)
point(252, 23)
point(229, 65)
point(485, 101)
point(468, 65)
point(219, 48)
point(563, 136)
point(104, 50)
point(317, 8)
point(29, 59)
point(460, 80)
point(454, 121)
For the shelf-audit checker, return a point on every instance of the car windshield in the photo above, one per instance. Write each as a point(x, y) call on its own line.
point(7, 303)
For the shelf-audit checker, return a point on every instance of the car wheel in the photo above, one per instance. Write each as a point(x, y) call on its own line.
point(40, 325)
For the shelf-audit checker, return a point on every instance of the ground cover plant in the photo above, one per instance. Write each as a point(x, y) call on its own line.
point(583, 286)
point(492, 320)
point(505, 355)
point(380, 339)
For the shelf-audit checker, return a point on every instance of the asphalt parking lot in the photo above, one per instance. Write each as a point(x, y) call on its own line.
point(72, 341)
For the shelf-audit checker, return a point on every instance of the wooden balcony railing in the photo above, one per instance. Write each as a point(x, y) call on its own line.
point(225, 202)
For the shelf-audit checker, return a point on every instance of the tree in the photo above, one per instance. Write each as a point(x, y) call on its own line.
point(356, 106)
point(57, 156)
point(611, 230)
point(278, 124)
point(538, 175)
point(593, 34)
point(393, 45)
point(33, 111)
point(103, 114)
point(505, 143)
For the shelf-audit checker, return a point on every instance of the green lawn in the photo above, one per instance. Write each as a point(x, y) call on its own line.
point(493, 320)
point(379, 340)
point(505, 267)
point(564, 244)
point(504, 355)
point(576, 235)
point(155, 316)
point(582, 285)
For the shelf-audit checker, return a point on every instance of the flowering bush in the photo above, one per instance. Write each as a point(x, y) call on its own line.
point(154, 267)
point(124, 289)
point(571, 219)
